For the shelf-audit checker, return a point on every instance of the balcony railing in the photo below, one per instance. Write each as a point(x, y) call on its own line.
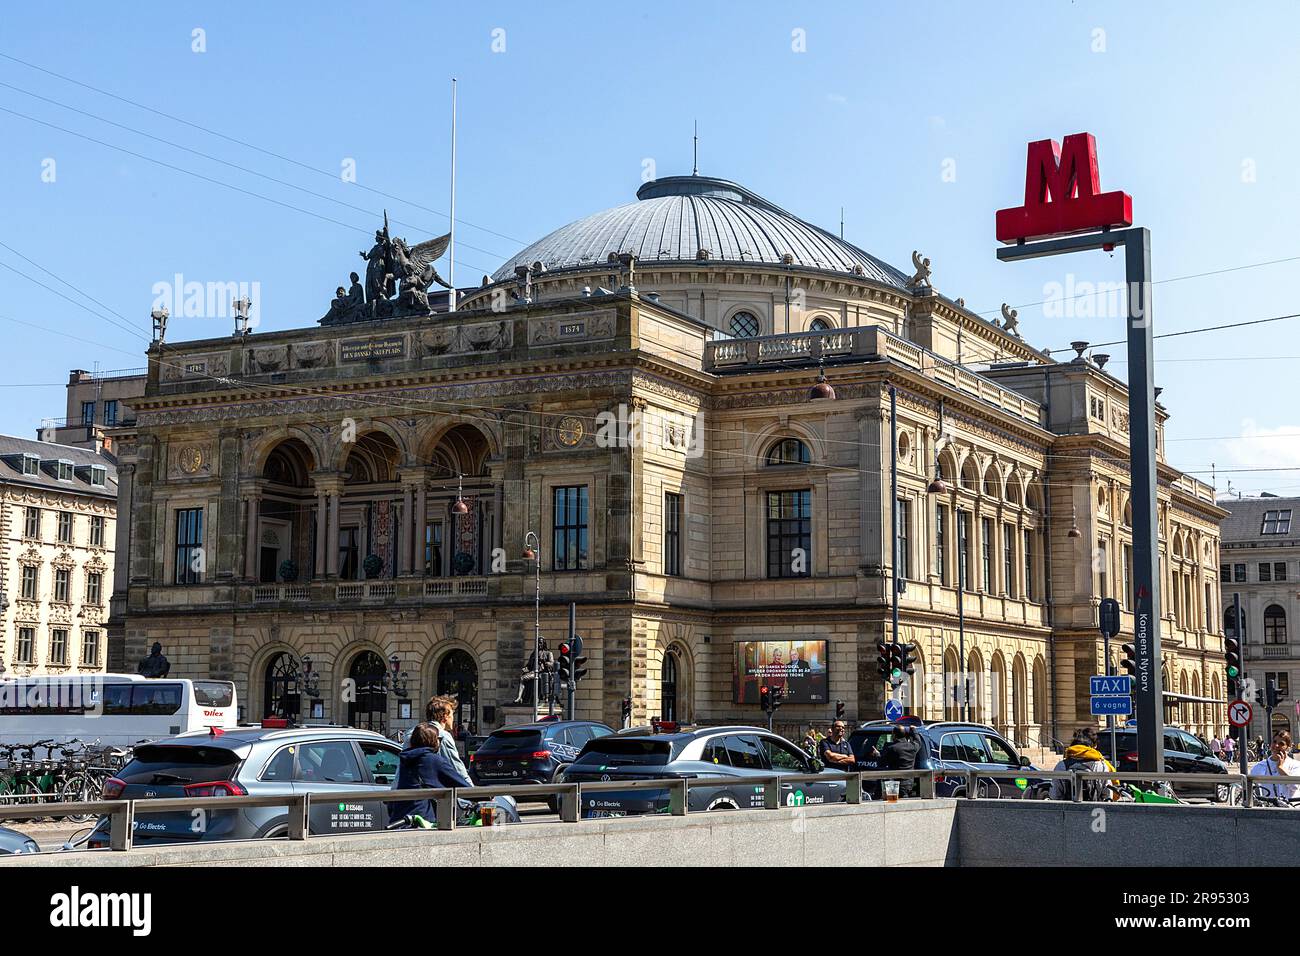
point(275, 593)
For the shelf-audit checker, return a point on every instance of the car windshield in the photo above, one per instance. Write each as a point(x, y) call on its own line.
point(180, 765)
point(626, 752)
point(512, 742)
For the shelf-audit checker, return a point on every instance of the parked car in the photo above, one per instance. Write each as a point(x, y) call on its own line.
point(718, 761)
point(531, 753)
point(261, 762)
point(950, 745)
point(1184, 753)
point(11, 841)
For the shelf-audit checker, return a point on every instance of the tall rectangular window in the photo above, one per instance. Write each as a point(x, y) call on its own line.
point(941, 542)
point(1225, 572)
point(672, 533)
point(189, 546)
point(58, 646)
point(902, 542)
point(789, 533)
point(569, 541)
point(94, 587)
point(349, 545)
point(1103, 568)
point(1027, 551)
point(1239, 573)
point(96, 531)
point(1009, 559)
point(30, 582)
point(963, 549)
point(87, 413)
point(62, 577)
point(32, 523)
point(65, 527)
point(986, 554)
point(1207, 615)
point(25, 652)
point(1279, 570)
point(110, 412)
point(90, 649)
point(433, 548)
point(1127, 555)
point(1265, 571)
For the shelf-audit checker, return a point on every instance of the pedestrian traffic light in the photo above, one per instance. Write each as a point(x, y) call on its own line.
point(1232, 657)
point(578, 663)
point(765, 699)
point(839, 710)
point(1128, 659)
point(882, 662)
point(566, 663)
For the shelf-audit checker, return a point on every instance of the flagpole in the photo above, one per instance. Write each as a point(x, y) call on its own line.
point(451, 244)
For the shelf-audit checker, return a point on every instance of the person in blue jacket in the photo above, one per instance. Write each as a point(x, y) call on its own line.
point(423, 764)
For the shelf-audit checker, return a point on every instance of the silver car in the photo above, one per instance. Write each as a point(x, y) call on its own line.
point(11, 841)
point(256, 761)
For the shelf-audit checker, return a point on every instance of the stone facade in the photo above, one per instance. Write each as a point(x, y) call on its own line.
point(575, 415)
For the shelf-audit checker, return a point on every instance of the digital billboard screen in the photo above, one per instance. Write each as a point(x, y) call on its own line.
point(797, 668)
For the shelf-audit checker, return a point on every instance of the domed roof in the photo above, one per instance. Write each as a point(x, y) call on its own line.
point(677, 216)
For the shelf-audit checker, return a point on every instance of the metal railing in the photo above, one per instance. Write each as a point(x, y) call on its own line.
point(122, 814)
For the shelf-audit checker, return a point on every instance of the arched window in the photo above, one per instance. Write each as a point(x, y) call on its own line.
point(368, 708)
point(819, 325)
point(789, 451)
point(668, 688)
point(744, 325)
point(280, 697)
point(458, 677)
point(1274, 624)
point(1230, 624)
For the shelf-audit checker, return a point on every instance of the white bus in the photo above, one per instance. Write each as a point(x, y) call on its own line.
point(116, 709)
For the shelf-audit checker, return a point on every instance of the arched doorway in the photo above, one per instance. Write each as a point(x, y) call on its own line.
point(280, 694)
point(368, 708)
point(458, 677)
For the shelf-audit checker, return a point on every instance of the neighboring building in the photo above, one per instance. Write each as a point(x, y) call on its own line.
point(743, 509)
point(58, 507)
point(97, 403)
point(1260, 563)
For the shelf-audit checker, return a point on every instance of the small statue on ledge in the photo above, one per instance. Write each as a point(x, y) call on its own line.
point(155, 665)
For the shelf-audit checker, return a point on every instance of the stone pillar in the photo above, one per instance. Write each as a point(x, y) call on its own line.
point(332, 535)
point(251, 507)
point(322, 508)
point(418, 521)
point(329, 490)
point(405, 533)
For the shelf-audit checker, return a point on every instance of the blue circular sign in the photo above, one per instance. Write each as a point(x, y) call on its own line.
point(893, 709)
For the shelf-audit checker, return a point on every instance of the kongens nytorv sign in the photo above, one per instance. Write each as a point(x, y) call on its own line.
point(364, 350)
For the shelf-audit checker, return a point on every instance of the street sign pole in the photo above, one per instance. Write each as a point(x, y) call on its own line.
point(1241, 623)
point(1109, 620)
point(1148, 695)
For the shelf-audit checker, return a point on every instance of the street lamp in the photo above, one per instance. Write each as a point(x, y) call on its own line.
point(535, 555)
point(241, 308)
point(460, 507)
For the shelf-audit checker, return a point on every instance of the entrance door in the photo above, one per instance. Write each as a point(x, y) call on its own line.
point(280, 688)
point(368, 709)
point(458, 677)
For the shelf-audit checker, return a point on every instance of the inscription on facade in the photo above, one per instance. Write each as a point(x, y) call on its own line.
point(365, 350)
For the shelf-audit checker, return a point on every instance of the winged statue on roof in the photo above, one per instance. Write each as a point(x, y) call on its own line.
point(398, 279)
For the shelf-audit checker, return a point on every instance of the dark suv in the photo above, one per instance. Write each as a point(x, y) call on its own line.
point(949, 745)
point(531, 753)
point(1184, 753)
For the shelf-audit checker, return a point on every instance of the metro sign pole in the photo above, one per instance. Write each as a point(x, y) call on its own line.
point(1065, 211)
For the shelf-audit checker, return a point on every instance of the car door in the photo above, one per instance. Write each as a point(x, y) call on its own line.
point(785, 758)
point(747, 758)
point(1177, 759)
point(334, 766)
point(1002, 756)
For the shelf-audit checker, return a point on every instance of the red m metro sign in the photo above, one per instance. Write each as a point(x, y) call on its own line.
point(1063, 194)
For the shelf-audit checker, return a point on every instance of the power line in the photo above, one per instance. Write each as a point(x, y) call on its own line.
point(1197, 331)
point(231, 139)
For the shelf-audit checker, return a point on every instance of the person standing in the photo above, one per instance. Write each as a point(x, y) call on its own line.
point(1229, 747)
point(1278, 763)
point(835, 751)
point(1216, 746)
point(902, 753)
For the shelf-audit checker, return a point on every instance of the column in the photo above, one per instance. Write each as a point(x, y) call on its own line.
point(405, 533)
point(332, 534)
point(250, 535)
point(418, 520)
point(321, 507)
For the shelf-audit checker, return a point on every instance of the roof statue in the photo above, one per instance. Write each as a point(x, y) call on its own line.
point(1009, 323)
point(922, 275)
point(398, 278)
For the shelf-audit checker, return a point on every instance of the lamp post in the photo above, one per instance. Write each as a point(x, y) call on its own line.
point(534, 554)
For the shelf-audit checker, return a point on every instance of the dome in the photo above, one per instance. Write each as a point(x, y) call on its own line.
point(676, 217)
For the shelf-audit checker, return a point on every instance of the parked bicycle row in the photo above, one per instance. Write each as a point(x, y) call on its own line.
point(70, 770)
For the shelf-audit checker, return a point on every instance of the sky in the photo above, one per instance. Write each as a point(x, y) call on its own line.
point(280, 134)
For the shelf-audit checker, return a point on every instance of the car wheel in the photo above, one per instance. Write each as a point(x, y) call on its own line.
point(276, 831)
point(722, 803)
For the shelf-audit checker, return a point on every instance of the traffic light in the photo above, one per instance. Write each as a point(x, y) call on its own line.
point(1232, 657)
point(566, 663)
point(909, 659)
point(895, 664)
point(1272, 698)
point(882, 662)
point(1128, 659)
point(839, 710)
point(765, 699)
point(578, 663)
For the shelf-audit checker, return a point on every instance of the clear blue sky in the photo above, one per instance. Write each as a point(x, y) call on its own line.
point(1192, 105)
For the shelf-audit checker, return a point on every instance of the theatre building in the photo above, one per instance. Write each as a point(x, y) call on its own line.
point(680, 410)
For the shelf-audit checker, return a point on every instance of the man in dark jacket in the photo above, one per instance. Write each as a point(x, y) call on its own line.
point(901, 754)
point(423, 764)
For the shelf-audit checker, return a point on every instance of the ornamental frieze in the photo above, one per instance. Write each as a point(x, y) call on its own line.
point(434, 397)
point(578, 327)
point(213, 365)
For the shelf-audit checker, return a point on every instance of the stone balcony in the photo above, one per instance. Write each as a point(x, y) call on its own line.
point(865, 343)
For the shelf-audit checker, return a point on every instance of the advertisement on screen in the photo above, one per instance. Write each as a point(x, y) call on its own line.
point(796, 668)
